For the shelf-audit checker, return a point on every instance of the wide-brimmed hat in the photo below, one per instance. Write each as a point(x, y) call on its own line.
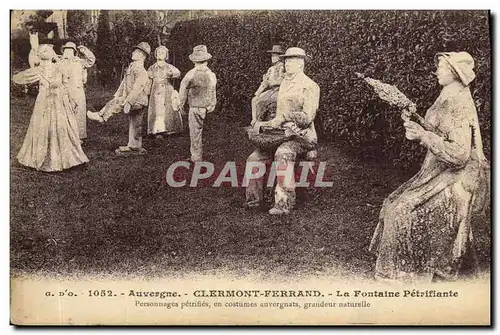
point(162, 47)
point(144, 47)
point(276, 49)
point(200, 54)
point(296, 53)
point(69, 45)
point(461, 64)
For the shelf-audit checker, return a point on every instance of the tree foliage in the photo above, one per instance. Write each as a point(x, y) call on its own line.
point(104, 49)
point(129, 29)
point(37, 22)
point(79, 26)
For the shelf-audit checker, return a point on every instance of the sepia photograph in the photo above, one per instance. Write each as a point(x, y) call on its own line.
point(250, 167)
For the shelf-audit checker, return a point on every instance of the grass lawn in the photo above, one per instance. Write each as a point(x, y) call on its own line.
point(117, 216)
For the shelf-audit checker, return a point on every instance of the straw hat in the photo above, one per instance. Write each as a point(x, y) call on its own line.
point(295, 52)
point(144, 47)
point(69, 45)
point(200, 54)
point(276, 49)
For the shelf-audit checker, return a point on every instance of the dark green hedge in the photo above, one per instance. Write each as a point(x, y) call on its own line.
point(396, 47)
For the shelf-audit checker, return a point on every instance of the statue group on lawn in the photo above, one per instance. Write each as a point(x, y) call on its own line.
point(424, 226)
point(164, 103)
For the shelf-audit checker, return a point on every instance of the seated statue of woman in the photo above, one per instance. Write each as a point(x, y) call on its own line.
point(424, 227)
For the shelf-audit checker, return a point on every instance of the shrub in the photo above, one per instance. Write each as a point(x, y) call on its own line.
point(129, 29)
point(397, 47)
point(79, 26)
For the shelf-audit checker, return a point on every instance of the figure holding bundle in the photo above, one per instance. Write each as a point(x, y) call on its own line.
point(424, 227)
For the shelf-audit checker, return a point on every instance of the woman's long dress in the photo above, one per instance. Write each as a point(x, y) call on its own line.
point(51, 142)
point(77, 70)
point(425, 225)
point(162, 117)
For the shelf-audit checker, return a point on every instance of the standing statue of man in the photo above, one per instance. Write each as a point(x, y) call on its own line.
point(298, 101)
point(76, 70)
point(198, 89)
point(132, 99)
point(264, 100)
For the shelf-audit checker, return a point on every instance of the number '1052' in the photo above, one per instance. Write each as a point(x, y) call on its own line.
point(100, 293)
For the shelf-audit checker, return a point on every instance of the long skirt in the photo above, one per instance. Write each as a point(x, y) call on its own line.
point(78, 94)
point(425, 227)
point(52, 142)
point(162, 118)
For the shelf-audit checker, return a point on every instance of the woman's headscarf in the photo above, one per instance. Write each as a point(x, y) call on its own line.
point(460, 63)
point(162, 47)
point(44, 51)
